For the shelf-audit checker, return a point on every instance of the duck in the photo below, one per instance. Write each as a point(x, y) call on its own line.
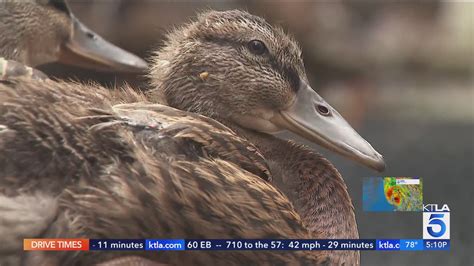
point(193, 157)
point(142, 170)
point(36, 32)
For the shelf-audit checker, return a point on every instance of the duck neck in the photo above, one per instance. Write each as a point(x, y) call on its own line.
point(311, 182)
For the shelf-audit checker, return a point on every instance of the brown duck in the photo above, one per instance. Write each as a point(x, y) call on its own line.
point(36, 32)
point(101, 169)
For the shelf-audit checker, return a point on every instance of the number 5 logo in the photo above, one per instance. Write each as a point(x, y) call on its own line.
point(435, 225)
point(435, 220)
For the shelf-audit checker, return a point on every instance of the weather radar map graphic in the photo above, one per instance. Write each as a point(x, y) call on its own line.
point(392, 194)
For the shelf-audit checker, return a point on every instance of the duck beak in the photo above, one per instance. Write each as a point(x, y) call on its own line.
point(87, 49)
point(314, 119)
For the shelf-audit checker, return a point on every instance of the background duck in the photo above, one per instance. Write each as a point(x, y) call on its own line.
point(36, 32)
point(230, 66)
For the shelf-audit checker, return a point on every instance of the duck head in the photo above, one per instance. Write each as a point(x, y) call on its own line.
point(42, 31)
point(235, 67)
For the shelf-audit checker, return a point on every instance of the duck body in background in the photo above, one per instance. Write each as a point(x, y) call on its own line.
point(36, 32)
point(108, 165)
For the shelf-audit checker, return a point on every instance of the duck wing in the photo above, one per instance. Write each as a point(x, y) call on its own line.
point(41, 153)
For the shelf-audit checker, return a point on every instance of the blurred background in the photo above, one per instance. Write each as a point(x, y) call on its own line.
point(402, 73)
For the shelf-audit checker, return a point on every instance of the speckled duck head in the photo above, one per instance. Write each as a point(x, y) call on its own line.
point(238, 69)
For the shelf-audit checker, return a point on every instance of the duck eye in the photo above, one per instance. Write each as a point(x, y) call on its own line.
point(257, 47)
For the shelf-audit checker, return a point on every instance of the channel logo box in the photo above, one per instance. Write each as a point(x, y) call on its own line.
point(436, 221)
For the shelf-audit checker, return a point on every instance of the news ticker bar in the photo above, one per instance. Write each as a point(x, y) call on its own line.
point(235, 244)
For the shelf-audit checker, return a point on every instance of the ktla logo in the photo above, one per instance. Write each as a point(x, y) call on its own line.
point(435, 221)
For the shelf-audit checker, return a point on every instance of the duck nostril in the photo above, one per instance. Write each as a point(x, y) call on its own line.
point(322, 109)
point(90, 35)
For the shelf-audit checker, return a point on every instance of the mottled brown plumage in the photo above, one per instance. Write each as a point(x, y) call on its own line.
point(116, 165)
point(135, 171)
